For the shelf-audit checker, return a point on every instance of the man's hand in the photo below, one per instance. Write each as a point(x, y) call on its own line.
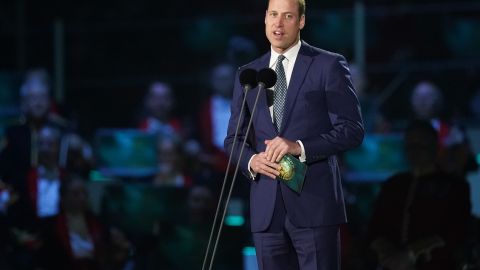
point(278, 147)
point(260, 164)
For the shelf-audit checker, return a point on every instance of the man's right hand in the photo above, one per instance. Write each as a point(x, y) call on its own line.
point(260, 164)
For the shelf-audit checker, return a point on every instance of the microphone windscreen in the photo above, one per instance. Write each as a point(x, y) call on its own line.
point(248, 77)
point(267, 76)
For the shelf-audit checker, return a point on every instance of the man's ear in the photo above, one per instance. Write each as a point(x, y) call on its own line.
point(302, 22)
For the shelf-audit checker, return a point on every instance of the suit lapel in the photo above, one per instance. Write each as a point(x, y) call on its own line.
point(262, 107)
point(302, 64)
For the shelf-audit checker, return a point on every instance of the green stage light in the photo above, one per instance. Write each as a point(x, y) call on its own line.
point(234, 221)
point(249, 251)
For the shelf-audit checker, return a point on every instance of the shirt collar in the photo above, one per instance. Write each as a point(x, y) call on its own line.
point(289, 55)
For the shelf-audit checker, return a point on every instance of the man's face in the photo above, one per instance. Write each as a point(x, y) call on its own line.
point(48, 147)
point(159, 101)
point(36, 102)
point(283, 24)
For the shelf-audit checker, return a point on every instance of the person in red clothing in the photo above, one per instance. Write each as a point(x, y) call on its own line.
point(455, 152)
point(158, 104)
point(76, 239)
point(214, 115)
point(421, 216)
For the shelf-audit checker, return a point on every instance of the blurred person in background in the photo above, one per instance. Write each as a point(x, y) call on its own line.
point(159, 118)
point(182, 246)
point(76, 155)
point(37, 199)
point(19, 153)
point(214, 116)
point(158, 105)
point(455, 153)
point(171, 171)
point(76, 239)
point(420, 218)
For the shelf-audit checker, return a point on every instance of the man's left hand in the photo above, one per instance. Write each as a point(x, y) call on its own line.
point(278, 147)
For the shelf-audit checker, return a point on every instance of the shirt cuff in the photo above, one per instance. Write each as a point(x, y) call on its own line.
point(302, 157)
point(252, 173)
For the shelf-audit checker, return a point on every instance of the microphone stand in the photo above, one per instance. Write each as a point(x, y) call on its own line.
point(246, 88)
point(261, 86)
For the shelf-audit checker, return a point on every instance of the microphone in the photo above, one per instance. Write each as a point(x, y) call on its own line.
point(248, 79)
point(267, 78)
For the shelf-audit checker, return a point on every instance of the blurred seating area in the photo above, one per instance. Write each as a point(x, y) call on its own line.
point(113, 115)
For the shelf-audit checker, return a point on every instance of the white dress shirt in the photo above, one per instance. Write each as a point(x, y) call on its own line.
point(48, 195)
point(220, 115)
point(288, 64)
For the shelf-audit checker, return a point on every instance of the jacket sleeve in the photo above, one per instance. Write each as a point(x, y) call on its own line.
point(344, 113)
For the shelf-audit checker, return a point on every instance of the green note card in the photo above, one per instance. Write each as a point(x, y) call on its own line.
point(292, 172)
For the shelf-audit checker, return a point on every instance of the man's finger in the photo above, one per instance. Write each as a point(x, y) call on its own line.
point(280, 156)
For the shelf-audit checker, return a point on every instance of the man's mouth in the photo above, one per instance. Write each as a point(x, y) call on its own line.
point(278, 33)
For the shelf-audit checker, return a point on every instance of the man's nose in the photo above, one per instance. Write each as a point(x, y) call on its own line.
point(278, 21)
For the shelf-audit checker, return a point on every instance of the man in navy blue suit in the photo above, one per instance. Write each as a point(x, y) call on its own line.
point(315, 116)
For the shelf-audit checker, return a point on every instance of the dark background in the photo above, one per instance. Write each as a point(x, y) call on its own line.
point(114, 49)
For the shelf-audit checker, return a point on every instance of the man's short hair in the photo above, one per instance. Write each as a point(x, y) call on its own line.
point(301, 7)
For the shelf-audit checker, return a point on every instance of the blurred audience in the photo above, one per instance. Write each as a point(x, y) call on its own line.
point(159, 104)
point(76, 155)
point(421, 216)
point(427, 102)
point(214, 115)
point(77, 239)
point(455, 153)
point(37, 199)
point(44, 180)
point(19, 153)
point(187, 240)
point(171, 171)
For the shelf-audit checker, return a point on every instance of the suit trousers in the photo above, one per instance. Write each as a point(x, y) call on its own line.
point(284, 246)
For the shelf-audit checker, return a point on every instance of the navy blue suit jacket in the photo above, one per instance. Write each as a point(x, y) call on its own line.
point(322, 111)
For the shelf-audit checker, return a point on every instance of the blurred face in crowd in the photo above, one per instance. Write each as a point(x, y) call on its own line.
point(168, 156)
point(48, 147)
point(426, 101)
point(283, 23)
point(223, 78)
point(159, 101)
point(36, 100)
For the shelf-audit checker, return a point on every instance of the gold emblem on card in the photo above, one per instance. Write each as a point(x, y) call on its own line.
point(287, 170)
